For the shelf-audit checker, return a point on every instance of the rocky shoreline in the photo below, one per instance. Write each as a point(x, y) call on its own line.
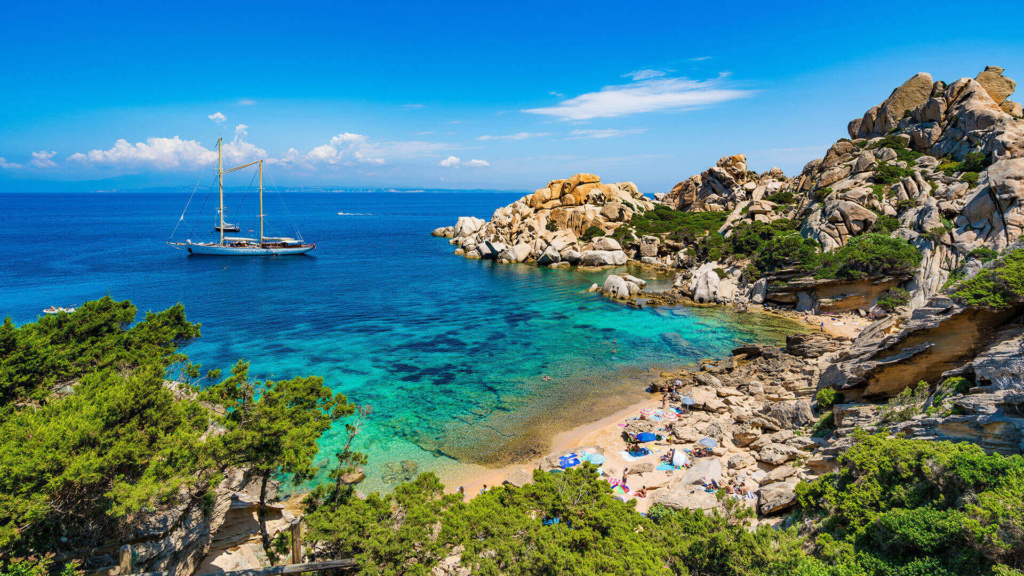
point(929, 184)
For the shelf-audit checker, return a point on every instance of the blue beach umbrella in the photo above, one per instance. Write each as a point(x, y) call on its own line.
point(646, 437)
point(687, 401)
point(708, 442)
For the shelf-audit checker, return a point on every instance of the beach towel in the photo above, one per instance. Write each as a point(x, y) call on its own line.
point(666, 467)
point(595, 459)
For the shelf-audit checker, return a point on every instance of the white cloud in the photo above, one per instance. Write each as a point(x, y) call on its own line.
point(456, 162)
point(349, 149)
point(246, 102)
point(4, 164)
point(516, 136)
point(699, 58)
point(43, 159)
point(558, 94)
point(240, 130)
point(604, 133)
point(168, 154)
point(645, 74)
point(217, 117)
point(651, 95)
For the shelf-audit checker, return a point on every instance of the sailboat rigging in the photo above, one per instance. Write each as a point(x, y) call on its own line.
point(237, 246)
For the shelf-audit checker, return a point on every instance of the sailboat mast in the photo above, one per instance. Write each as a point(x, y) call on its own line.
point(261, 201)
point(220, 182)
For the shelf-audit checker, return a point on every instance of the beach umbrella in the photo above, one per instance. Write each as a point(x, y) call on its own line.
point(687, 401)
point(646, 437)
point(678, 382)
point(708, 442)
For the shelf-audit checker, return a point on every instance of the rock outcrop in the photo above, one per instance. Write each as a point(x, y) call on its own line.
point(554, 225)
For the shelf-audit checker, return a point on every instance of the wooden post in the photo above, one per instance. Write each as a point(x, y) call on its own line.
point(297, 542)
point(124, 560)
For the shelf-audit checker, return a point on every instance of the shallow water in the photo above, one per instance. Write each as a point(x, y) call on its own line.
point(450, 352)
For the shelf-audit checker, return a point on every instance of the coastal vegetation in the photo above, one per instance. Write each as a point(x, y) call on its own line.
point(896, 507)
point(997, 287)
point(97, 439)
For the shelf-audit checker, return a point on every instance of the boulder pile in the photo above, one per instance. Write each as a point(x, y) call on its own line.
point(564, 223)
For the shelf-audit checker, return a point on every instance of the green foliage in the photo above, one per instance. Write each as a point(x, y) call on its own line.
point(879, 191)
point(510, 530)
point(721, 273)
point(868, 255)
point(937, 234)
point(821, 194)
point(995, 288)
point(57, 350)
point(785, 225)
point(908, 403)
point(787, 251)
point(902, 152)
point(673, 224)
point(984, 254)
point(591, 233)
point(907, 507)
point(890, 173)
point(893, 298)
point(950, 167)
point(905, 204)
point(273, 426)
point(824, 425)
point(933, 185)
point(827, 398)
point(38, 567)
point(784, 197)
point(81, 465)
point(885, 224)
point(970, 177)
point(550, 226)
point(975, 162)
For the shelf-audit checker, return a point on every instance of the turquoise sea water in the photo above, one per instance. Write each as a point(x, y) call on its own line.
point(451, 353)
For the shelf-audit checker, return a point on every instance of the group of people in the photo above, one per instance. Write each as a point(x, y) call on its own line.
point(732, 488)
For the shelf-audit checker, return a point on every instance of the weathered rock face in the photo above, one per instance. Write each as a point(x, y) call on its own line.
point(720, 188)
point(546, 226)
point(938, 338)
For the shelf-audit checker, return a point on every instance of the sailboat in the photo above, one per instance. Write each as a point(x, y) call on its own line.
point(235, 245)
point(225, 227)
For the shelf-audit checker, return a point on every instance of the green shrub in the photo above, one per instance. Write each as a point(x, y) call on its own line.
point(722, 274)
point(827, 398)
point(950, 167)
point(995, 288)
point(970, 177)
point(824, 425)
point(550, 226)
point(787, 251)
point(975, 162)
point(905, 507)
point(885, 224)
point(893, 298)
point(904, 204)
point(674, 225)
point(785, 225)
point(934, 186)
point(868, 255)
point(821, 194)
point(890, 173)
point(937, 234)
point(958, 384)
point(591, 233)
point(879, 191)
point(984, 254)
point(784, 197)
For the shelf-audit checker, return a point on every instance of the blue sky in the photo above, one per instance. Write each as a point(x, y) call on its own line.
point(457, 94)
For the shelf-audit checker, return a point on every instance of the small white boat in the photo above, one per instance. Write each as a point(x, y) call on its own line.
point(57, 310)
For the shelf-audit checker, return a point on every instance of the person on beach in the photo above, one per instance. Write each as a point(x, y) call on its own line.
point(642, 492)
point(822, 326)
point(624, 472)
point(461, 490)
point(484, 489)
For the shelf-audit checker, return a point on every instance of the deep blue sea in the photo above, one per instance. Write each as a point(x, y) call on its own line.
point(450, 352)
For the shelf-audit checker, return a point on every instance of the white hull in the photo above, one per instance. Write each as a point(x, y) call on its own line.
point(216, 250)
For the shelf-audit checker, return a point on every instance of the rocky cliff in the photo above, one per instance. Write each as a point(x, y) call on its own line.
point(940, 166)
